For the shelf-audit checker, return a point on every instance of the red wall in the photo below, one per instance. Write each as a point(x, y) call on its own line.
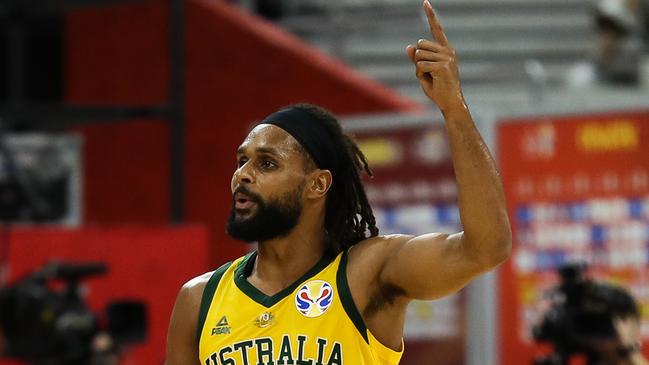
point(239, 69)
point(144, 263)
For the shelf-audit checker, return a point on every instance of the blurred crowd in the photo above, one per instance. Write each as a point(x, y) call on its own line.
point(622, 45)
point(620, 54)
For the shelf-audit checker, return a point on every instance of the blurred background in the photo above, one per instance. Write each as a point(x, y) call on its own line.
point(119, 120)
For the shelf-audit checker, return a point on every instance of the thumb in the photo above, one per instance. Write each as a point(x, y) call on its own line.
point(410, 51)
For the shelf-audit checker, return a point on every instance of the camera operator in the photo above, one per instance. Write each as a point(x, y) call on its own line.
point(587, 318)
point(46, 324)
point(625, 348)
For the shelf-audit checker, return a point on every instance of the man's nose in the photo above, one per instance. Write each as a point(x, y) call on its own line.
point(244, 175)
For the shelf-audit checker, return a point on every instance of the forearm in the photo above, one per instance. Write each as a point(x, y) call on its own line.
point(481, 198)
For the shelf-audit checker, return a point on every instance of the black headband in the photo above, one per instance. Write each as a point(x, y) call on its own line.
point(310, 133)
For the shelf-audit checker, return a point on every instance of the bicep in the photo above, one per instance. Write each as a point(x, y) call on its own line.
point(182, 347)
point(430, 266)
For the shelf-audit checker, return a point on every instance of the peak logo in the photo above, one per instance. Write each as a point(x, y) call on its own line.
point(222, 327)
point(314, 298)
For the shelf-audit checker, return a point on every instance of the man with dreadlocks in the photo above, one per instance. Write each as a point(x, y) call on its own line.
point(323, 287)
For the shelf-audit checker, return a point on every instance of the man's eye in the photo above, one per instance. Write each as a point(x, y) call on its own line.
point(268, 164)
point(241, 162)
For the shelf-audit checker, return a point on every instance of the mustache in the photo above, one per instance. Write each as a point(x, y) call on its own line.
point(252, 196)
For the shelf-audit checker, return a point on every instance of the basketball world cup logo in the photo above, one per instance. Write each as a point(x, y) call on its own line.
point(314, 298)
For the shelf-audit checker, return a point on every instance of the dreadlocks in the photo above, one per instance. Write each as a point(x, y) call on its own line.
point(348, 214)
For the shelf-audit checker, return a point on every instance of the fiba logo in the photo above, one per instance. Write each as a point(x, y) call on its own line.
point(314, 298)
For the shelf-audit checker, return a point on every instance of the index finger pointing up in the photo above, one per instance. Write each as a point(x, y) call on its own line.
point(435, 26)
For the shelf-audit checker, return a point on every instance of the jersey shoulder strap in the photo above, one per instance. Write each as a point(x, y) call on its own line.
point(208, 294)
point(346, 297)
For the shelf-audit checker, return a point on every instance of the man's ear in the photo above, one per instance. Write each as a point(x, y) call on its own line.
point(319, 183)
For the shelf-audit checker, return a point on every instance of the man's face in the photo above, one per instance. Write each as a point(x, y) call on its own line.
point(267, 187)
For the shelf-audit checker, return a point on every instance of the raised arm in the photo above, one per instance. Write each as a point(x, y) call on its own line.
point(434, 265)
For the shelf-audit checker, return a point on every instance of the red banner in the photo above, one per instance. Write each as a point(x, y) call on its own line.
point(577, 189)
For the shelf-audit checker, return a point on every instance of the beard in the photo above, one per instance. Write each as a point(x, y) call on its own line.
point(273, 219)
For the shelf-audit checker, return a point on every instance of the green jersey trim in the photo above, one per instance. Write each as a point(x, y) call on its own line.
point(244, 269)
point(208, 294)
point(347, 300)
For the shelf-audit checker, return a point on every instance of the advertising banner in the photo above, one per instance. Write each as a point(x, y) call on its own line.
point(578, 191)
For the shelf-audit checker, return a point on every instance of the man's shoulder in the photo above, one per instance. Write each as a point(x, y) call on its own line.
point(197, 282)
point(380, 244)
point(366, 262)
point(372, 252)
point(195, 286)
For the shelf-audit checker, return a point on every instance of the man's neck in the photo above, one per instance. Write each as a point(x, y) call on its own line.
point(281, 261)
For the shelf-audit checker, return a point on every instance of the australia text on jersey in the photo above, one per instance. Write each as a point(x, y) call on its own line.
point(263, 349)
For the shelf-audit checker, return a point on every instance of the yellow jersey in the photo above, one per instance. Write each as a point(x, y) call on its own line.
point(314, 321)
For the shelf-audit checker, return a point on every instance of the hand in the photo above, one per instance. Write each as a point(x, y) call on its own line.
point(628, 330)
point(436, 66)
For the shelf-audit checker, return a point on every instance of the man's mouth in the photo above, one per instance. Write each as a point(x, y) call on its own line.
point(243, 202)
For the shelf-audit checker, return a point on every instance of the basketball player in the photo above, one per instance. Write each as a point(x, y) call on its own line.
point(323, 287)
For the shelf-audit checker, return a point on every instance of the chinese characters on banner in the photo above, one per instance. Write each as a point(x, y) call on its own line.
point(577, 189)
